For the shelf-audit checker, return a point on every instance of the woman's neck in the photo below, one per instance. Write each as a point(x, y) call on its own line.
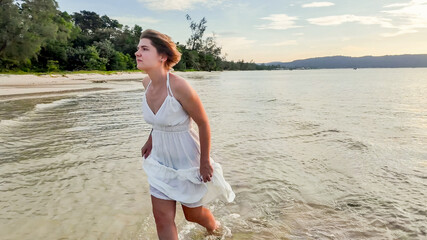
point(158, 77)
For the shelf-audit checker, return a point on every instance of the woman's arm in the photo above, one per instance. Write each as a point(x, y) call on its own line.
point(146, 149)
point(192, 104)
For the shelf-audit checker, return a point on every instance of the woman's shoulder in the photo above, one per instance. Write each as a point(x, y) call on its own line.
point(180, 86)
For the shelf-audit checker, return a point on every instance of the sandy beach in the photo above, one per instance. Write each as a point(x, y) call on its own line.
point(25, 86)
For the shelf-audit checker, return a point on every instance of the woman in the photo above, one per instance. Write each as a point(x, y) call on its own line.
point(175, 159)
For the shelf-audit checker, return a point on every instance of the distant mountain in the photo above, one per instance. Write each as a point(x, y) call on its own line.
point(388, 61)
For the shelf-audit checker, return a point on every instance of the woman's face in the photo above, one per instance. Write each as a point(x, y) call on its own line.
point(146, 56)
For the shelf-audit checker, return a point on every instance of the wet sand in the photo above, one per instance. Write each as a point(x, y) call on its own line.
point(22, 86)
point(29, 86)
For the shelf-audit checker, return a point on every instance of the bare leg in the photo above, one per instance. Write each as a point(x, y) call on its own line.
point(164, 215)
point(201, 216)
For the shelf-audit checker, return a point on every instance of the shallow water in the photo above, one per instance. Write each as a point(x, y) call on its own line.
point(314, 154)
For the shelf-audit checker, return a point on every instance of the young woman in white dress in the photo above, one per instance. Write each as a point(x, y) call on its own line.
point(156, 54)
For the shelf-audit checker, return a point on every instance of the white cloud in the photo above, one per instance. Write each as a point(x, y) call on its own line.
point(298, 34)
point(318, 4)
point(132, 20)
point(396, 5)
point(279, 22)
point(400, 32)
point(180, 5)
point(233, 43)
point(226, 33)
point(340, 19)
point(405, 17)
point(411, 16)
point(285, 43)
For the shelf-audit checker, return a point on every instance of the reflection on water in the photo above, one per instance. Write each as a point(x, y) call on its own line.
point(319, 154)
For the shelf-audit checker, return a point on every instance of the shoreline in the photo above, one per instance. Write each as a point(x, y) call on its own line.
point(13, 87)
point(17, 86)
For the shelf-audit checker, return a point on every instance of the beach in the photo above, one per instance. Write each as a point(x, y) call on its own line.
point(23, 86)
point(29, 86)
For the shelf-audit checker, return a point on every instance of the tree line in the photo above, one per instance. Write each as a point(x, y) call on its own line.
point(35, 36)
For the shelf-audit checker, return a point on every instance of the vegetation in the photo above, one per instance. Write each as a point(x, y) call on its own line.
point(37, 37)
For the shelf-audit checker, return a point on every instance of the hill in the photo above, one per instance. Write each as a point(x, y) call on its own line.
point(388, 61)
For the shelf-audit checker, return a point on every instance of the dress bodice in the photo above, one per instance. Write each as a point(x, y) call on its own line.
point(171, 116)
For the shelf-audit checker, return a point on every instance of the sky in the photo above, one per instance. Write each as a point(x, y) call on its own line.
point(274, 30)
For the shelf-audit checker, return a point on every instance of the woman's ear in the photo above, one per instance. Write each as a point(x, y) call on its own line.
point(163, 58)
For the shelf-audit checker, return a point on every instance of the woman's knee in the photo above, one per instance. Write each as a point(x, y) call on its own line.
point(163, 211)
point(164, 219)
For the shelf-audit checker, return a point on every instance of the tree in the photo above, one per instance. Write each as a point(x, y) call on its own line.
point(88, 21)
point(195, 41)
point(209, 46)
point(95, 28)
point(127, 40)
point(24, 28)
point(115, 60)
point(85, 59)
point(56, 49)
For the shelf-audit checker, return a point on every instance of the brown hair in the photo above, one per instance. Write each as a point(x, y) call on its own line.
point(164, 45)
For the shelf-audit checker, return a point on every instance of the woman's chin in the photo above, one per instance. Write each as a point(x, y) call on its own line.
point(140, 66)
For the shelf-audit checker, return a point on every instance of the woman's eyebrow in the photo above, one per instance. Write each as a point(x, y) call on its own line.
point(143, 46)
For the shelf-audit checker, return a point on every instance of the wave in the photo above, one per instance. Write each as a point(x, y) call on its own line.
point(13, 122)
point(65, 101)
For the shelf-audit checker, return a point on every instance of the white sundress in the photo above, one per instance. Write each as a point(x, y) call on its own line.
point(172, 167)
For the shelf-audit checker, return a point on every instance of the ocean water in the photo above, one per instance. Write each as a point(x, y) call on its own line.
point(310, 154)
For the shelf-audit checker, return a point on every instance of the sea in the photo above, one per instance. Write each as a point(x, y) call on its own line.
point(310, 154)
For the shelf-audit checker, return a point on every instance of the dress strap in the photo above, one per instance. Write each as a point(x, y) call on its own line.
point(148, 86)
point(168, 85)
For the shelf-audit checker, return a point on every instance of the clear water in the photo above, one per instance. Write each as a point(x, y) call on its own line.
point(314, 154)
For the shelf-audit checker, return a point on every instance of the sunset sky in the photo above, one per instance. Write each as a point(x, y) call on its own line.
point(273, 30)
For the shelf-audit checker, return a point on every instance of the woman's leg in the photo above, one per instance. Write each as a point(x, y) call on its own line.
point(201, 216)
point(164, 215)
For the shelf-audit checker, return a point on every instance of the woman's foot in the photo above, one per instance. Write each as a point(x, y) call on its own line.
point(217, 228)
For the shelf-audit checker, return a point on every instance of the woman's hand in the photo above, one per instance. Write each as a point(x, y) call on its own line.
point(146, 149)
point(206, 171)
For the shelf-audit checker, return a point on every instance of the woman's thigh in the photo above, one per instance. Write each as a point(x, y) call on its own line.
point(163, 210)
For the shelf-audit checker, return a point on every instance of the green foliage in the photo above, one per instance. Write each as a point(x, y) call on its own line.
point(52, 66)
point(197, 30)
point(85, 59)
point(36, 37)
point(92, 60)
point(24, 27)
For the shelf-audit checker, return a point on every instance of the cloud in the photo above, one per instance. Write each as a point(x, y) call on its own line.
point(132, 20)
point(226, 33)
point(404, 17)
point(411, 16)
point(400, 32)
point(180, 5)
point(318, 4)
point(340, 19)
point(233, 43)
point(279, 22)
point(396, 5)
point(285, 43)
